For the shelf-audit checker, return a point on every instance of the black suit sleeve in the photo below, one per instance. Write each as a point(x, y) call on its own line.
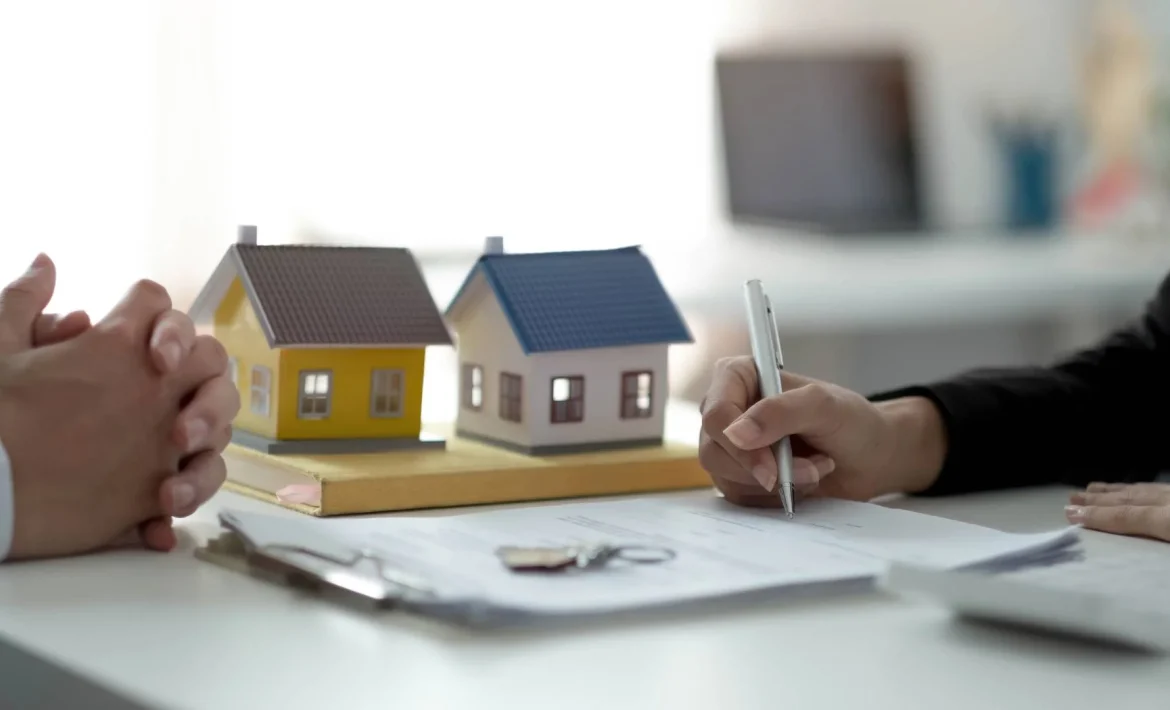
point(1098, 415)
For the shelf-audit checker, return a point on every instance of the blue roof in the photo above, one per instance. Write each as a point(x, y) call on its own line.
point(581, 299)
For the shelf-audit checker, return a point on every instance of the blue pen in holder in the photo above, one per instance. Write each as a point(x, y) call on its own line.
point(1029, 154)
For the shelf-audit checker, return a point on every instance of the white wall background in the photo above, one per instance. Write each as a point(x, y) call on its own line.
point(436, 124)
point(77, 134)
point(138, 132)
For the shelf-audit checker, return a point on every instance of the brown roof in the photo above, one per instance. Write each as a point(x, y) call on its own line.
point(332, 295)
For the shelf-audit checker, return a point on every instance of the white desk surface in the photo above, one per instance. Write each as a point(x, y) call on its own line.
point(176, 632)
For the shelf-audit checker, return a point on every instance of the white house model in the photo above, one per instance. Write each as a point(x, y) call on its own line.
point(563, 352)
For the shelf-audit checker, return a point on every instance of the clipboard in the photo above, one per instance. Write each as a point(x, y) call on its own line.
point(356, 578)
point(451, 568)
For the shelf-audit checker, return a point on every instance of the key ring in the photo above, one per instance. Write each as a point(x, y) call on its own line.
point(641, 554)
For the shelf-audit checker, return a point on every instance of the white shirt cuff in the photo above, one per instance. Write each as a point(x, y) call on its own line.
point(7, 508)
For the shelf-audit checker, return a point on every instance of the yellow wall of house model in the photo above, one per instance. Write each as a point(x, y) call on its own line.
point(237, 327)
point(351, 378)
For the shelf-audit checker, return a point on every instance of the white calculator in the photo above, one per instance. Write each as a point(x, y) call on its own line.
point(1077, 600)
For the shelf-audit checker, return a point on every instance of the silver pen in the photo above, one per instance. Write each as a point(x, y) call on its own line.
point(769, 363)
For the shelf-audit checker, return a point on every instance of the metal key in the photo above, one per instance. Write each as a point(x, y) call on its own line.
point(551, 559)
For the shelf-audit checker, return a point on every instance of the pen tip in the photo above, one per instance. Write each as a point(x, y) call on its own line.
point(790, 515)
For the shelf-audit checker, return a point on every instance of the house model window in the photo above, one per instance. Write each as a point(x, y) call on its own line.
point(314, 396)
point(510, 398)
point(386, 393)
point(261, 390)
point(636, 390)
point(568, 399)
point(473, 387)
point(234, 371)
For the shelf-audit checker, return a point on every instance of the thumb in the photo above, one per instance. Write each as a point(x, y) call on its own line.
point(50, 328)
point(22, 301)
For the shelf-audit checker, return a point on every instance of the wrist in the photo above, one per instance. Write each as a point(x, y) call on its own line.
point(14, 433)
point(918, 443)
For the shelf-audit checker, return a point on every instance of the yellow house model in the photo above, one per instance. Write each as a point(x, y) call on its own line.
point(326, 345)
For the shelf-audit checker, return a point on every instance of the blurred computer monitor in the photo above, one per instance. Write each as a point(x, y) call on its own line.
point(820, 140)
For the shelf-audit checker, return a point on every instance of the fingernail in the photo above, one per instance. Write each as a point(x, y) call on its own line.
point(804, 472)
point(182, 495)
point(1074, 513)
point(1079, 498)
point(742, 432)
point(171, 353)
point(765, 476)
point(196, 431)
point(40, 262)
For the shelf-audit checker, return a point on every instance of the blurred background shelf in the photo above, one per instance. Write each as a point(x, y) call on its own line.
point(878, 312)
point(821, 283)
point(879, 281)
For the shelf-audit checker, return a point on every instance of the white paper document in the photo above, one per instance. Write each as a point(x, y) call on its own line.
point(1137, 577)
point(721, 550)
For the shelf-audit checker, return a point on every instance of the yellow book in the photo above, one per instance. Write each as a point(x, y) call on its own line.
point(466, 473)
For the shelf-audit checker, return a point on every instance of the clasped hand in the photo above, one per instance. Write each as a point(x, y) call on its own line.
point(113, 428)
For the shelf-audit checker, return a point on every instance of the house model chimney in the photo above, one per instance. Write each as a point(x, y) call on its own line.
point(246, 234)
point(493, 245)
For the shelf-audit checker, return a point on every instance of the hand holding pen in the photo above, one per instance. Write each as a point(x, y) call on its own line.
point(842, 444)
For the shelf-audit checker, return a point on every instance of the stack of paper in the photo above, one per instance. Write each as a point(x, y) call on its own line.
point(721, 550)
point(1135, 576)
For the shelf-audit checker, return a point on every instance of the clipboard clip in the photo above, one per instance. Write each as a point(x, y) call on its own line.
point(382, 586)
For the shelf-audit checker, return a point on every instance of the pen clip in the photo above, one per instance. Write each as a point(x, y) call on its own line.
point(773, 332)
